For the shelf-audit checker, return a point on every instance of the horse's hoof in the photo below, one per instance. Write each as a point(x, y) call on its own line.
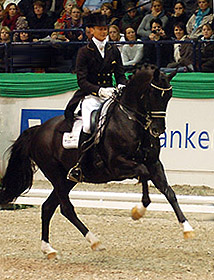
point(187, 230)
point(48, 251)
point(138, 212)
point(189, 235)
point(98, 246)
point(52, 255)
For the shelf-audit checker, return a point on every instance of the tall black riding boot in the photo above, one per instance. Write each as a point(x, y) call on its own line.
point(75, 173)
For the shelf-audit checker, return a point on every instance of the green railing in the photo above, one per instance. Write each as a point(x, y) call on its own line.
point(28, 85)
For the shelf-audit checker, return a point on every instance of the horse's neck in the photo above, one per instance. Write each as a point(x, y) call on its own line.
point(129, 99)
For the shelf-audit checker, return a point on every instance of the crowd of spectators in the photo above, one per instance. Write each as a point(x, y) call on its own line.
point(145, 22)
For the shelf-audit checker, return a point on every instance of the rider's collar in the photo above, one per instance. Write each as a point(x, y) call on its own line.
point(99, 44)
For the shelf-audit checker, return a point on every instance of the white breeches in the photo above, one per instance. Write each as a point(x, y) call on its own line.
point(89, 104)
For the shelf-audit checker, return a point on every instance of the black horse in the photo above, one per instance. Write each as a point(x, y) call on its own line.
point(129, 148)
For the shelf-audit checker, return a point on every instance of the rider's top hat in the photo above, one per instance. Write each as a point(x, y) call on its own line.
point(96, 19)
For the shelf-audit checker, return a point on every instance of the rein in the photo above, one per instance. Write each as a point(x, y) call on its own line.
point(146, 116)
point(149, 115)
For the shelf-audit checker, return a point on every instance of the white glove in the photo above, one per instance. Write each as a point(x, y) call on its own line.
point(120, 86)
point(106, 92)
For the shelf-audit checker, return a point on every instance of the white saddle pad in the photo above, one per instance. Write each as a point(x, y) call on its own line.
point(70, 140)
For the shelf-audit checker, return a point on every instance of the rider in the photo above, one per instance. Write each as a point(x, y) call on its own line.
point(95, 64)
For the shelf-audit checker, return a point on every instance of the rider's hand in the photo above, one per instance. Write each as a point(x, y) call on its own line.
point(106, 92)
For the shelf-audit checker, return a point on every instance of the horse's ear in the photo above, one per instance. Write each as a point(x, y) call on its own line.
point(156, 74)
point(171, 75)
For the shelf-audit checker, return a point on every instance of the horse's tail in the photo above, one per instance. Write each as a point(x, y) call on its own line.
point(19, 173)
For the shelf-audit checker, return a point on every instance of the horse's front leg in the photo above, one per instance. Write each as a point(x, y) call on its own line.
point(139, 210)
point(159, 179)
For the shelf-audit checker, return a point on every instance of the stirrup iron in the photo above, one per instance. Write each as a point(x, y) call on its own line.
point(75, 174)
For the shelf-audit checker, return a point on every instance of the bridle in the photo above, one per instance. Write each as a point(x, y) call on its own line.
point(162, 89)
point(149, 115)
point(159, 114)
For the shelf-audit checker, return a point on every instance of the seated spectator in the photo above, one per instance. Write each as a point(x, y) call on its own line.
point(202, 15)
point(107, 9)
point(115, 36)
point(11, 15)
point(190, 6)
point(157, 12)
point(183, 53)
point(132, 17)
point(207, 49)
point(75, 22)
point(207, 33)
point(23, 37)
point(159, 55)
point(179, 15)
point(52, 7)
point(131, 53)
point(5, 34)
point(63, 21)
point(39, 20)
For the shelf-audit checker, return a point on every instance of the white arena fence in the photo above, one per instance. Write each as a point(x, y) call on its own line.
point(125, 201)
point(189, 126)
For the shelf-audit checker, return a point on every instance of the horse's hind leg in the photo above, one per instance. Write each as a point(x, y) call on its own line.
point(139, 210)
point(67, 209)
point(48, 209)
point(159, 179)
point(60, 196)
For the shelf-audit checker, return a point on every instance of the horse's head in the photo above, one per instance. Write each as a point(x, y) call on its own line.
point(152, 91)
point(156, 98)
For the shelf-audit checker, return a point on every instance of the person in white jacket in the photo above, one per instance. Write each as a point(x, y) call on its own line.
point(131, 53)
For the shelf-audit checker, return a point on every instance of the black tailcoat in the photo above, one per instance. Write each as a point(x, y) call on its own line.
point(94, 72)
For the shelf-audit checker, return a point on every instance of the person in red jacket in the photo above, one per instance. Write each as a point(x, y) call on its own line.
point(10, 16)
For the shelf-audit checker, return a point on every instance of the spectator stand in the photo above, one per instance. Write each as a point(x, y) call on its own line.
point(45, 55)
point(48, 54)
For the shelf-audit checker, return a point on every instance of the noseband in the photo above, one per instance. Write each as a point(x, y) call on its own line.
point(159, 114)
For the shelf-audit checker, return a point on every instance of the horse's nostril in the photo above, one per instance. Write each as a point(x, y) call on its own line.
point(154, 131)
